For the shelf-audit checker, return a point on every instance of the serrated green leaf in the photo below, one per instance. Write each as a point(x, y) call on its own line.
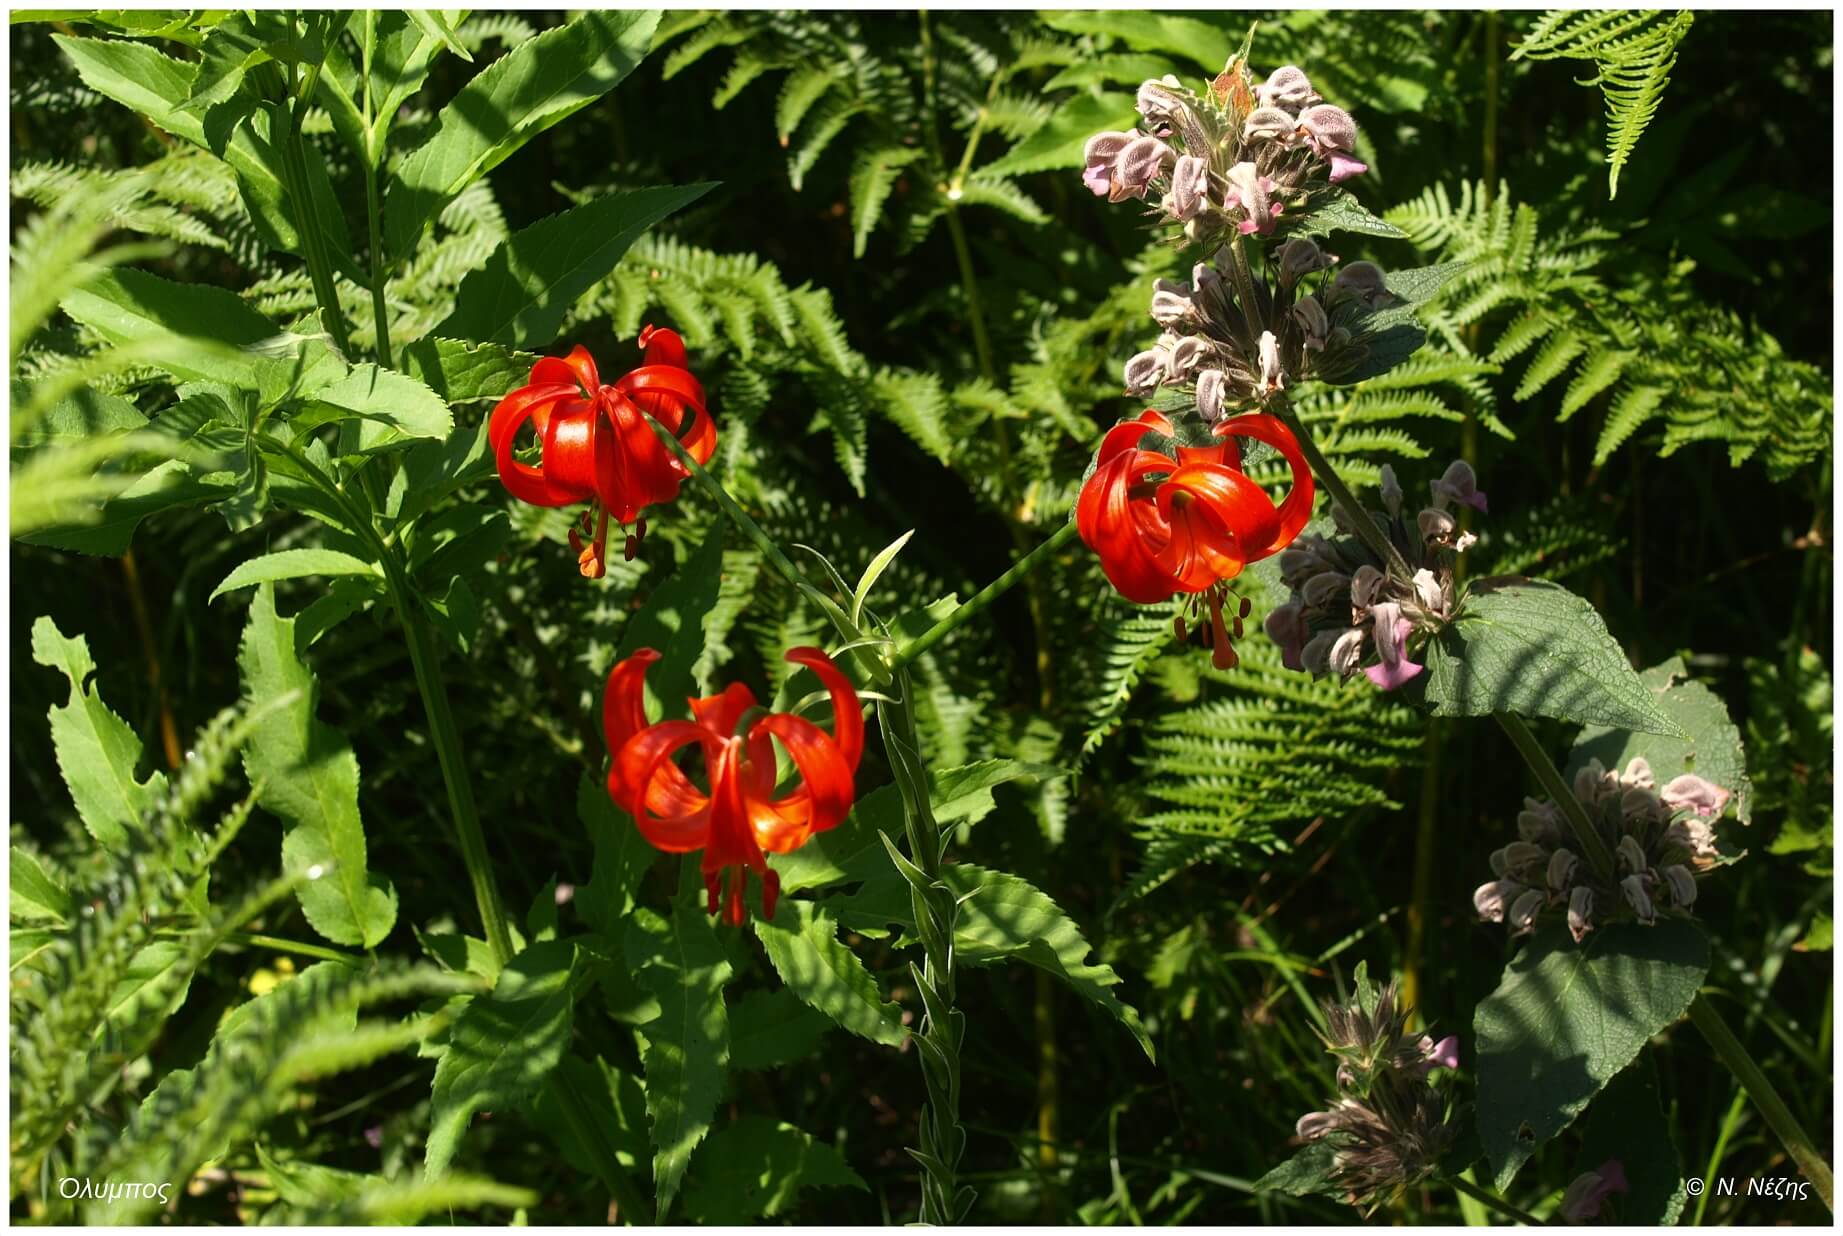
point(96, 751)
point(504, 106)
point(32, 892)
point(1711, 748)
point(803, 945)
point(462, 371)
point(1567, 1018)
point(393, 406)
point(1342, 213)
point(167, 486)
point(503, 1047)
point(520, 296)
point(1306, 1174)
point(293, 564)
point(1531, 647)
point(681, 961)
point(202, 327)
point(772, 1028)
point(307, 775)
point(754, 1167)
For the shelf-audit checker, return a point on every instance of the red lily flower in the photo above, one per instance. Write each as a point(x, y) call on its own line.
point(598, 448)
point(738, 817)
point(1190, 524)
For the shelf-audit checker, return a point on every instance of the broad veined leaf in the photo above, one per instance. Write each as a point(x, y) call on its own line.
point(307, 775)
point(460, 371)
point(519, 298)
point(504, 1046)
point(293, 564)
point(1567, 1018)
point(208, 327)
point(79, 416)
point(508, 103)
point(393, 407)
point(803, 944)
point(1341, 213)
point(97, 752)
point(1531, 647)
point(753, 1168)
point(681, 961)
point(1711, 750)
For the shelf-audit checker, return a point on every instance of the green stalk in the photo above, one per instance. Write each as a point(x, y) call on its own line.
point(380, 313)
point(1365, 527)
point(1491, 1200)
point(443, 732)
point(446, 737)
point(1779, 1117)
point(1599, 857)
point(983, 599)
point(313, 244)
point(936, 909)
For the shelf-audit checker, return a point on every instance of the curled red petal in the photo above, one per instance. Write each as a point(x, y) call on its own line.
point(1110, 525)
point(624, 699)
point(669, 812)
point(1296, 509)
point(847, 712)
point(526, 483)
point(827, 777)
point(719, 713)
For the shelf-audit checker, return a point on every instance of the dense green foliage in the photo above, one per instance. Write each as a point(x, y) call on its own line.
point(246, 951)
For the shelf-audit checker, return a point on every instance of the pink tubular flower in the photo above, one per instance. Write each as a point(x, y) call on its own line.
point(1702, 799)
point(1136, 166)
point(1098, 158)
point(1253, 194)
point(1586, 1197)
point(1333, 136)
point(1392, 643)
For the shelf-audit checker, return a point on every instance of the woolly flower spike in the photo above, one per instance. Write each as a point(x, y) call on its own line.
point(1389, 1125)
point(1252, 194)
point(1266, 124)
point(1135, 167)
point(1288, 88)
point(1660, 845)
point(737, 818)
point(1351, 604)
point(597, 446)
point(1332, 135)
point(1189, 188)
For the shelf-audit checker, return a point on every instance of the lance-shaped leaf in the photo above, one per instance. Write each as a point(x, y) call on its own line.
point(306, 774)
point(622, 857)
point(393, 409)
point(204, 327)
point(293, 564)
point(503, 1046)
point(802, 942)
point(519, 297)
point(1531, 647)
point(97, 752)
point(1567, 1018)
point(752, 1169)
point(681, 961)
point(511, 101)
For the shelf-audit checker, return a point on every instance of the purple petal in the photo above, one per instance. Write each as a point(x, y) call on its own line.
point(1097, 177)
point(1344, 167)
point(1388, 677)
point(1445, 1053)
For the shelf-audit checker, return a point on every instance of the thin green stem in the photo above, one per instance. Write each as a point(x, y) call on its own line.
point(446, 737)
point(277, 945)
point(1734, 1054)
point(1360, 520)
point(1491, 1200)
point(443, 732)
point(313, 243)
point(1729, 1123)
point(374, 219)
point(1593, 845)
point(969, 283)
point(984, 597)
point(1243, 276)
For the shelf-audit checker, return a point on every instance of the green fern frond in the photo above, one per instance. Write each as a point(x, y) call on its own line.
point(1632, 53)
point(1129, 640)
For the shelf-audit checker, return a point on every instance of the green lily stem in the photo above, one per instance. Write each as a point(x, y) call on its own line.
point(446, 737)
point(1492, 1201)
point(983, 599)
point(1779, 1117)
point(942, 1028)
point(1599, 857)
point(443, 732)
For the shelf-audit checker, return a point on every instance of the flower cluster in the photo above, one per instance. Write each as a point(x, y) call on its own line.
point(1350, 610)
point(1661, 841)
point(737, 817)
point(1231, 158)
point(1388, 1125)
point(596, 445)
